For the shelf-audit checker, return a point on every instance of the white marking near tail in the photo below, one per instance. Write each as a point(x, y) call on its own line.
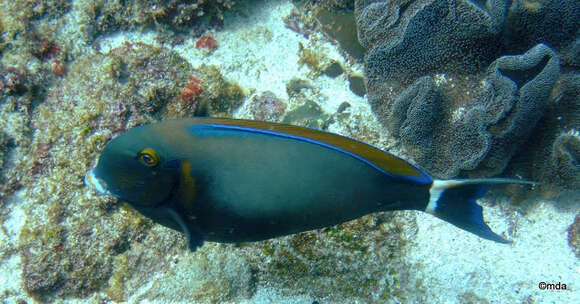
point(439, 186)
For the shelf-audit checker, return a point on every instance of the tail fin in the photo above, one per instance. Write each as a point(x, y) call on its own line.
point(454, 202)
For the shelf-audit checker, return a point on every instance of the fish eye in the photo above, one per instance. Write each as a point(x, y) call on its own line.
point(148, 157)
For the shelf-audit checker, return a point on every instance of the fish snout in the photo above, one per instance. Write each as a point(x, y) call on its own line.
point(95, 183)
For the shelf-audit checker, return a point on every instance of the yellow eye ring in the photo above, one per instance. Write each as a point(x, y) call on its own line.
point(148, 157)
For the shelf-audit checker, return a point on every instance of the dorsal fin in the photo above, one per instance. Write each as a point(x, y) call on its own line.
point(382, 161)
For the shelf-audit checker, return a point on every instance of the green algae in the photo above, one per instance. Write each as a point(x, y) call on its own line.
point(351, 241)
point(309, 114)
point(296, 85)
point(340, 25)
point(352, 261)
point(171, 17)
point(220, 97)
point(70, 249)
point(75, 244)
point(318, 62)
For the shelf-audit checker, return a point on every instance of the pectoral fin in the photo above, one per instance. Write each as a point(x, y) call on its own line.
point(192, 233)
point(171, 218)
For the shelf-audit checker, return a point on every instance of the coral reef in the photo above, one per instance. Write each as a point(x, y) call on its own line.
point(18, 96)
point(556, 23)
point(564, 159)
point(12, 81)
point(556, 143)
point(480, 137)
point(173, 15)
point(519, 87)
point(452, 42)
point(74, 244)
point(408, 39)
point(192, 90)
point(61, 101)
point(4, 144)
point(267, 107)
point(329, 263)
point(220, 97)
point(70, 247)
point(412, 118)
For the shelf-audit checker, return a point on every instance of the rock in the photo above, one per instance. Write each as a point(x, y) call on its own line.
point(71, 238)
point(267, 107)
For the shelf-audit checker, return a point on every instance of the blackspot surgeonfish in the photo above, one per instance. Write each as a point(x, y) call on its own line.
point(228, 180)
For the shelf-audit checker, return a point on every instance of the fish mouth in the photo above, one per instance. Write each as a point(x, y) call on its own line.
point(95, 183)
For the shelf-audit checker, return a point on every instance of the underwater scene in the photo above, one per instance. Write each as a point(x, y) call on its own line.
point(312, 151)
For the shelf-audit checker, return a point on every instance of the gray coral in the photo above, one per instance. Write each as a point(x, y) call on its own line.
point(407, 39)
point(413, 117)
point(555, 146)
point(484, 135)
point(518, 91)
point(447, 130)
point(565, 159)
point(556, 23)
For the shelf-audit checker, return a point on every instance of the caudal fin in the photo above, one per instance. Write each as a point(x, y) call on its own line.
point(454, 202)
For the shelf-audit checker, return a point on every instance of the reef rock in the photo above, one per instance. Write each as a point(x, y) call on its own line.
point(70, 240)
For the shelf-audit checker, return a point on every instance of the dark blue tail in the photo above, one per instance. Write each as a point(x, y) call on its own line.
point(454, 202)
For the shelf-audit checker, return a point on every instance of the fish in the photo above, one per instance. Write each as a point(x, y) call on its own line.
point(230, 180)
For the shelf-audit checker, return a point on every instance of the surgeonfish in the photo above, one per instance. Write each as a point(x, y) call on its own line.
point(228, 180)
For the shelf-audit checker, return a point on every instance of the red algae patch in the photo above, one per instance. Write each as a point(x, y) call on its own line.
point(206, 41)
point(192, 90)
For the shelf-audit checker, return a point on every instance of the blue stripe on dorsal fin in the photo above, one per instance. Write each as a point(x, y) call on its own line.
point(380, 160)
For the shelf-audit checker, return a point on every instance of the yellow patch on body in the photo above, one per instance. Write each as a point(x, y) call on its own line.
point(187, 185)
